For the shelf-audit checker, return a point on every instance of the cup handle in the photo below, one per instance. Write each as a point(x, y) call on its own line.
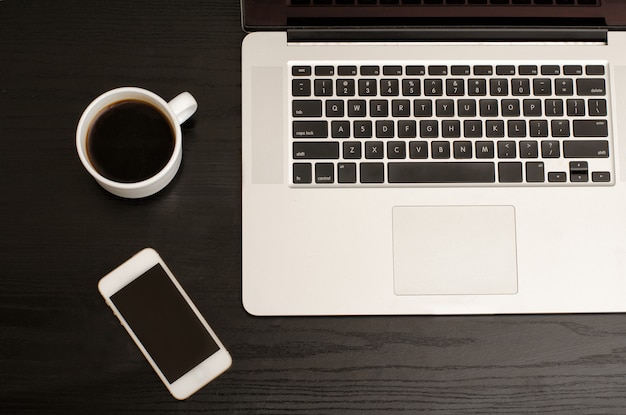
point(183, 105)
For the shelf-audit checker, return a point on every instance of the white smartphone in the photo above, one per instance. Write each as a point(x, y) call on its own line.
point(166, 326)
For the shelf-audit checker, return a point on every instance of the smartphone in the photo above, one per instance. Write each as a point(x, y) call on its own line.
point(166, 326)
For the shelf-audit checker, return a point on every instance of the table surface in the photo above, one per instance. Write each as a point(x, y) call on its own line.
point(63, 351)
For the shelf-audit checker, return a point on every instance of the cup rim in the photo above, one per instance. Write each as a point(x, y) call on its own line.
point(96, 106)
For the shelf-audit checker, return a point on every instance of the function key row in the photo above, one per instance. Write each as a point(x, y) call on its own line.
point(442, 70)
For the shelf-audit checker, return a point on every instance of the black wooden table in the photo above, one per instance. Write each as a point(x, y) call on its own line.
point(61, 349)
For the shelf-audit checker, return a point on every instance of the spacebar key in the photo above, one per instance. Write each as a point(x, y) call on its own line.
point(441, 172)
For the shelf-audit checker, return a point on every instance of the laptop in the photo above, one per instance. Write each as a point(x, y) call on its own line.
point(433, 157)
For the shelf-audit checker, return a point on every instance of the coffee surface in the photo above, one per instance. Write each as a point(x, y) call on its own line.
point(130, 141)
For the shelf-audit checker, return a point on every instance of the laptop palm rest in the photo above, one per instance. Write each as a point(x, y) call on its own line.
point(454, 250)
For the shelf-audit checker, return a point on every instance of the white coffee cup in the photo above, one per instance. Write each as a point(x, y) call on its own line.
point(177, 111)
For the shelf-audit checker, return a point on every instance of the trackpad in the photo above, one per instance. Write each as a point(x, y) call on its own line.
point(454, 250)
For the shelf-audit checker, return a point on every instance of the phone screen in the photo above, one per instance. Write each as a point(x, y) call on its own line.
point(164, 323)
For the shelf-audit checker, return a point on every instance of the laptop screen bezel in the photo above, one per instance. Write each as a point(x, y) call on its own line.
point(281, 15)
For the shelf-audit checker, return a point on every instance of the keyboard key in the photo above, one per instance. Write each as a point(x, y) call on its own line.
point(538, 128)
point(494, 128)
point(351, 149)
point(557, 177)
point(550, 70)
point(572, 70)
point(324, 173)
point(367, 87)
point(379, 108)
point(363, 129)
point(314, 150)
point(302, 173)
point(392, 70)
point(477, 87)
point(428, 129)
point(440, 149)
point(528, 70)
point(400, 108)
point(460, 70)
point(422, 108)
point(483, 70)
point(590, 128)
point(528, 149)
point(535, 172)
point(347, 71)
point(590, 86)
point(444, 108)
point(416, 70)
point(484, 149)
point(301, 70)
point(550, 149)
point(506, 149)
point(472, 129)
point(498, 87)
point(575, 107)
point(560, 128)
point(340, 129)
point(554, 107)
point(510, 172)
point(510, 108)
point(346, 172)
point(357, 108)
point(520, 87)
point(578, 171)
point(345, 87)
point(307, 108)
point(594, 69)
point(370, 70)
point(334, 108)
point(407, 129)
point(372, 172)
point(384, 129)
point(396, 149)
point(374, 150)
point(437, 70)
point(516, 128)
point(455, 87)
point(389, 87)
point(564, 87)
point(301, 87)
point(441, 172)
point(597, 107)
point(462, 149)
point(323, 87)
point(586, 149)
point(418, 149)
point(433, 87)
point(542, 87)
point(324, 70)
point(310, 129)
point(410, 87)
point(601, 176)
point(505, 70)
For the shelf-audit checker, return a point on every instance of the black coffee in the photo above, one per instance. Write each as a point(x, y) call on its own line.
point(130, 141)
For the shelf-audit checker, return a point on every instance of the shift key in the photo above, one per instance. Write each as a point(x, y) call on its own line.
point(316, 150)
point(310, 129)
point(586, 148)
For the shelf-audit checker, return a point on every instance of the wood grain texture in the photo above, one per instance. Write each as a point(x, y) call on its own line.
point(63, 352)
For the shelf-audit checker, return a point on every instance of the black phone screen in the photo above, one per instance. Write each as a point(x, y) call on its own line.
point(161, 318)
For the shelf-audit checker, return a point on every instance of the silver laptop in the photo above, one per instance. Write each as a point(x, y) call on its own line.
point(434, 156)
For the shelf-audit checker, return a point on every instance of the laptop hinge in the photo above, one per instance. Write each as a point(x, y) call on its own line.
point(449, 35)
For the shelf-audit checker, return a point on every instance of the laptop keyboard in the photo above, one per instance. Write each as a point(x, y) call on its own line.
point(358, 123)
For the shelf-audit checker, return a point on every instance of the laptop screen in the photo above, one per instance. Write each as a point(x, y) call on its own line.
point(285, 14)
